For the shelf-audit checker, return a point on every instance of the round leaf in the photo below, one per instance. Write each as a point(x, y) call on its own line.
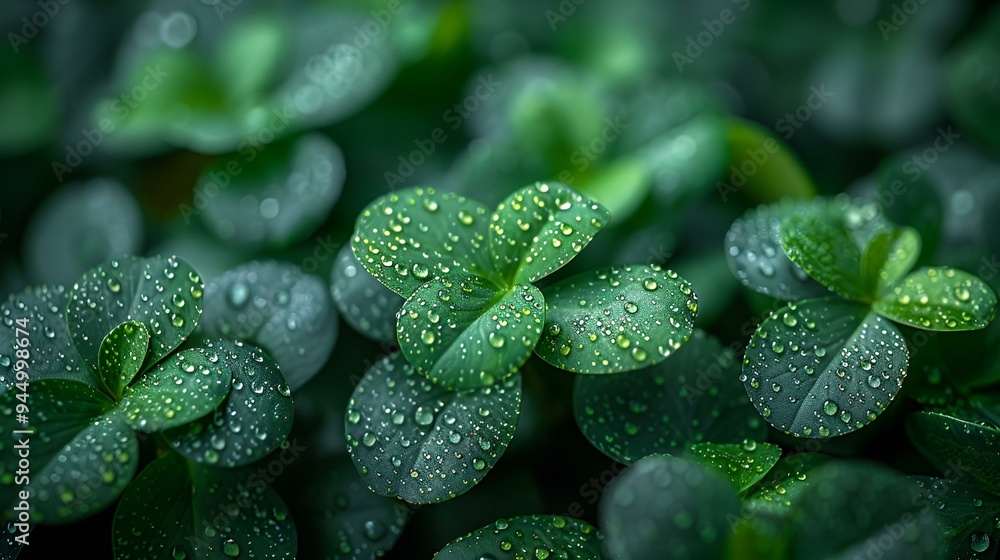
point(753, 249)
point(408, 237)
point(279, 308)
point(968, 517)
point(81, 226)
point(176, 509)
point(848, 507)
point(162, 293)
point(469, 334)
point(952, 443)
point(534, 536)
point(82, 453)
point(667, 508)
point(44, 309)
point(342, 516)
point(279, 197)
point(185, 387)
point(121, 355)
point(744, 464)
point(364, 302)
point(824, 367)
point(418, 441)
point(539, 228)
point(694, 396)
point(253, 419)
point(616, 319)
point(940, 299)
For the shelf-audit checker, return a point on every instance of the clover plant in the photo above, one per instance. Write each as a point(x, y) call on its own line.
point(109, 368)
point(831, 360)
point(427, 423)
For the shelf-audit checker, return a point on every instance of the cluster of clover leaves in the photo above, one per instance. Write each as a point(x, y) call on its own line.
point(831, 360)
point(427, 423)
point(100, 368)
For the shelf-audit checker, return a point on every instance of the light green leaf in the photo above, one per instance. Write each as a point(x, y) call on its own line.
point(162, 293)
point(848, 507)
point(762, 167)
point(816, 240)
point(408, 237)
point(176, 509)
point(940, 299)
point(535, 536)
point(958, 447)
point(539, 228)
point(469, 334)
point(744, 463)
point(185, 387)
point(824, 367)
point(82, 453)
point(620, 186)
point(121, 355)
point(692, 397)
point(753, 249)
point(42, 314)
point(889, 255)
point(616, 319)
point(418, 441)
point(968, 517)
point(253, 419)
point(666, 508)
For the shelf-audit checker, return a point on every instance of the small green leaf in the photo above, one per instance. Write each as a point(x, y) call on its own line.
point(784, 483)
point(667, 508)
point(763, 167)
point(889, 255)
point(958, 447)
point(744, 463)
point(253, 419)
point(364, 302)
point(616, 319)
point(176, 509)
point(408, 237)
point(620, 186)
point(534, 536)
point(848, 507)
point(817, 241)
point(968, 517)
point(162, 293)
point(342, 517)
point(468, 334)
point(753, 249)
point(539, 228)
point(693, 396)
point(279, 308)
point(41, 313)
point(940, 299)
point(183, 388)
point(824, 367)
point(121, 355)
point(82, 453)
point(418, 441)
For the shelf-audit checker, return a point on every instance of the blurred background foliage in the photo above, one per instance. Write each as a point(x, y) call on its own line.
point(226, 131)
